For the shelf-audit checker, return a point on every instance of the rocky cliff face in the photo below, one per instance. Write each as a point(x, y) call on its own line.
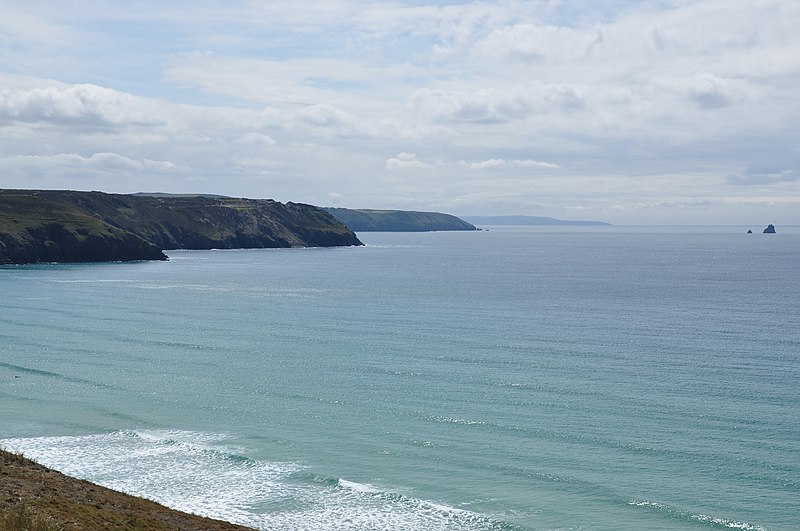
point(54, 242)
point(67, 226)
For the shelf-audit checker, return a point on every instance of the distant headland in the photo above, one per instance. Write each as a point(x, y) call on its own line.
point(528, 220)
point(70, 226)
point(371, 220)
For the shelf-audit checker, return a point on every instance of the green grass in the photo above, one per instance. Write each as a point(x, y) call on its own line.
point(53, 225)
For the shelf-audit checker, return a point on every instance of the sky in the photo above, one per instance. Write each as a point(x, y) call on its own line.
point(631, 112)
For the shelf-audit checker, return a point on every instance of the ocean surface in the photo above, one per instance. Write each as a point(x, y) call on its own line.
point(544, 378)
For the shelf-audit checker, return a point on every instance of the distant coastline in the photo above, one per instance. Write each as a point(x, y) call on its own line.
point(39, 226)
point(374, 220)
point(530, 221)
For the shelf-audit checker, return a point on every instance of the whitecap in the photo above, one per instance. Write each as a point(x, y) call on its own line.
point(703, 518)
point(202, 473)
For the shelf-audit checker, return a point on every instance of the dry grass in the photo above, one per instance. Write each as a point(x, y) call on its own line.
point(36, 498)
point(21, 518)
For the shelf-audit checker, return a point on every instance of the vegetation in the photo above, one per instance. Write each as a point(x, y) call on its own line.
point(365, 220)
point(68, 226)
point(36, 498)
point(21, 518)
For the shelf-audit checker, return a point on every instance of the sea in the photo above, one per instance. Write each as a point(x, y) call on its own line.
point(542, 378)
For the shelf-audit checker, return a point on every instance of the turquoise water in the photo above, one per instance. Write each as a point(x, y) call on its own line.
point(608, 378)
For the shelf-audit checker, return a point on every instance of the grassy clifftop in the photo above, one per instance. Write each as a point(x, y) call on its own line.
point(69, 226)
point(366, 220)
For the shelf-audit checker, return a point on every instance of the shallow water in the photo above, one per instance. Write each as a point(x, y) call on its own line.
point(580, 378)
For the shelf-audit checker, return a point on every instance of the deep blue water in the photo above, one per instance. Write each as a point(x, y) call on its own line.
point(580, 378)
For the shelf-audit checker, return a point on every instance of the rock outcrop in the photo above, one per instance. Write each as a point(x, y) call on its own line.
point(770, 229)
point(69, 226)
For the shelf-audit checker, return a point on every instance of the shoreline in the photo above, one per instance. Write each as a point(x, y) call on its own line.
point(37, 497)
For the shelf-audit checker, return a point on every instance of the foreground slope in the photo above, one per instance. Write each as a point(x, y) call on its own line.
point(367, 220)
point(37, 498)
point(69, 226)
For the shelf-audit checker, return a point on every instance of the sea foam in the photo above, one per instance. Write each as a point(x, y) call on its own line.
point(715, 521)
point(199, 473)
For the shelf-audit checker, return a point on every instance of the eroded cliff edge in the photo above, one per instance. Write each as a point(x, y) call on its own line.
point(69, 226)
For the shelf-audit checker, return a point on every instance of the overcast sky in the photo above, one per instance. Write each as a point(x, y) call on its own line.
point(670, 111)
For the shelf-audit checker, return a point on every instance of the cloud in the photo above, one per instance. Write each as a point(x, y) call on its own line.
point(302, 81)
point(254, 138)
point(492, 164)
point(255, 166)
point(326, 118)
point(496, 105)
point(267, 98)
point(111, 163)
point(707, 90)
point(405, 160)
point(18, 26)
point(767, 173)
point(530, 42)
point(77, 104)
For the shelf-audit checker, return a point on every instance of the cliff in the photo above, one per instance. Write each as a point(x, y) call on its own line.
point(69, 226)
point(365, 220)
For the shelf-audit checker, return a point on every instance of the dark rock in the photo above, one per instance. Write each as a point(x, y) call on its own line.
point(749, 231)
point(770, 229)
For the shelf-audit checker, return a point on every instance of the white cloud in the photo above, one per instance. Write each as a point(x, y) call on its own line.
point(326, 119)
point(405, 160)
point(492, 164)
point(105, 171)
point(633, 99)
point(290, 81)
point(768, 173)
point(496, 105)
point(707, 90)
point(77, 104)
point(107, 162)
point(256, 139)
point(530, 42)
point(255, 165)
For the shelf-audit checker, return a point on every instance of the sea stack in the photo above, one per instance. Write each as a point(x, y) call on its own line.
point(770, 229)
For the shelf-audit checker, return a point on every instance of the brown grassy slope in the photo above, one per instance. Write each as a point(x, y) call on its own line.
point(33, 497)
